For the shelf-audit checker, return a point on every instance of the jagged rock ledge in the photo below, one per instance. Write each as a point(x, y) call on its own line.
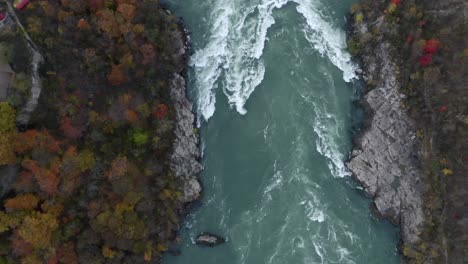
point(186, 154)
point(384, 158)
point(185, 157)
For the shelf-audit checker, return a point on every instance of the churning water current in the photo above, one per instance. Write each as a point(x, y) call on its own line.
point(272, 84)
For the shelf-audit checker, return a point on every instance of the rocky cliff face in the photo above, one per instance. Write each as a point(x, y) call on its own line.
point(186, 153)
point(384, 160)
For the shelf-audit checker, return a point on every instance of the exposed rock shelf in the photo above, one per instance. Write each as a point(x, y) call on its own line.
point(383, 160)
point(186, 154)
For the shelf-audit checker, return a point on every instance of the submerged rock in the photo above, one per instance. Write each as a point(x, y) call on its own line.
point(209, 240)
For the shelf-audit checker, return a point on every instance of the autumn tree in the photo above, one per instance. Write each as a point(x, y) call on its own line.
point(22, 202)
point(69, 130)
point(119, 168)
point(47, 177)
point(160, 112)
point(117, 76)
point(37, 229)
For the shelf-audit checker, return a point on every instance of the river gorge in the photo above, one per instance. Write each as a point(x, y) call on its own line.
point(275, 93)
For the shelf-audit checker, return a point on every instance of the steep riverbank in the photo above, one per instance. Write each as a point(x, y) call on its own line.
point(412, 156)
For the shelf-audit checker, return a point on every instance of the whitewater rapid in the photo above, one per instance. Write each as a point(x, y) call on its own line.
point(232, 56)
point(275, 184)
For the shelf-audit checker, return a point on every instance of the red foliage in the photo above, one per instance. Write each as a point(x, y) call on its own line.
point(19, 246)
point(33, 139)
point(443, 109)
point(422, 23)
point(96, 4)
point(396, 2)
point(68, 129)
point(27, 139)
point(47, 179)
point(425, 60)
point(409, 39)
point(431, 46)
point(148, 53)
point(20, 5)
point(161, 112)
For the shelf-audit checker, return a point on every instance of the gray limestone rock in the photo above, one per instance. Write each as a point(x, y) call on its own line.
point(186, 154)
point(382, 160)
point(209, 240)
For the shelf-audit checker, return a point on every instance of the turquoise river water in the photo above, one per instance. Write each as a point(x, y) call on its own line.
point(272, 84)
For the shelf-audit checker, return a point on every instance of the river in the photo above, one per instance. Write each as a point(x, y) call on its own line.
point(273, 87)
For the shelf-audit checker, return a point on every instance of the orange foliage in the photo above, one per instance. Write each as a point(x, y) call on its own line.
point(128, 11)
point(119, 168)
point(22, 202)
point(47, 179)
point(68, 129)
point(33, 139)
point(26, 141)
point(117, 76)
point(67, 254)
point(83, 25)
point(132, 116)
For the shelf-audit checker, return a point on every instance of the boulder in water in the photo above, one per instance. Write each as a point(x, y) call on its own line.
point(209, 240)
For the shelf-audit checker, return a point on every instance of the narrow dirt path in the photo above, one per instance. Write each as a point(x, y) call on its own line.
point(36, 85)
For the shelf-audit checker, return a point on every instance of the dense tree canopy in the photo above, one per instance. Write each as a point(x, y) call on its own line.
point(94, 185)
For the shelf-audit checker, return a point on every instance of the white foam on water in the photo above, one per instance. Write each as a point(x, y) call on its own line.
point(328, 41)
point(325, 128)
point(232, 56)
point(313, 213)
point(207, 62)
